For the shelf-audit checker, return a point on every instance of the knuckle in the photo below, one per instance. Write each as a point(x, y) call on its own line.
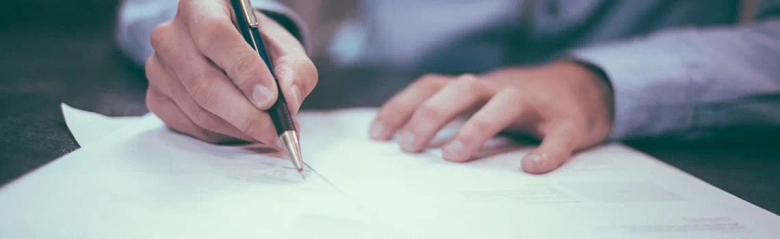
point(301, 65)
point(150, 68)
point(477, 127)
point(159, 35)
point(153, 71)
point(306, 74)
point(308, 64)
point(429, 111)
point(149, 63)
point(310, 71)
point(152, 101)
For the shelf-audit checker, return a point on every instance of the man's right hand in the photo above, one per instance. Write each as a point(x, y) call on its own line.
point(207, 82)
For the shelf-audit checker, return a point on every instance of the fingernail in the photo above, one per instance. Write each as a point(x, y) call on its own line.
point(377, 130)
point(261, 95)
point(297, 99)
point(453, 150)
point(537, 159)
point(407, 140)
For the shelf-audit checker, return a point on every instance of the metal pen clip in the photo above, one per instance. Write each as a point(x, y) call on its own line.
point(251, 19)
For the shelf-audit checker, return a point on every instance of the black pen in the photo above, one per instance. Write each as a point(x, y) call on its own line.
point(280, 114)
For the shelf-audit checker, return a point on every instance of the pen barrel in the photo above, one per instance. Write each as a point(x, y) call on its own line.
point(280, 115)
point(279, 112)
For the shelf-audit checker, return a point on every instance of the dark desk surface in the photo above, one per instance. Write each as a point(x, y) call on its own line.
point(79, 65)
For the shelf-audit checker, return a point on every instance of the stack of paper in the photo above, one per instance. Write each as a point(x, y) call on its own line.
point(145, 181)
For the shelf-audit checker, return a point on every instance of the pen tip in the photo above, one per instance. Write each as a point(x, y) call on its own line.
point(290, 140)
point(302, 176)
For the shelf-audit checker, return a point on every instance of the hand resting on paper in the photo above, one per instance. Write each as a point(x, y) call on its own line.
point(207, 82)
point(564, 103)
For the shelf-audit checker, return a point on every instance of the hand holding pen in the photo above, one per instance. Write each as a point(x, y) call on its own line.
point(207, 82)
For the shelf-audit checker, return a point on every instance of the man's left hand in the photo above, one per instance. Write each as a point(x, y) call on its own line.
point(564, 104)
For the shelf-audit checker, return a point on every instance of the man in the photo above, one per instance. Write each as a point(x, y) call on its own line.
point(572, 73)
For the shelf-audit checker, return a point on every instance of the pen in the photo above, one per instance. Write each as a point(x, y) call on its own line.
point(280, 114)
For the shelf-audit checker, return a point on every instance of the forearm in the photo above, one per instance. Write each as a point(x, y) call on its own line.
point(692, 80)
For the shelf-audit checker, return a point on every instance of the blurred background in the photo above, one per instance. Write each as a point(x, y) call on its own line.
point(54, 51)
point(53, 15)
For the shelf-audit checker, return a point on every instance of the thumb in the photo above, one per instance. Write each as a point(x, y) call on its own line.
point(556, 147)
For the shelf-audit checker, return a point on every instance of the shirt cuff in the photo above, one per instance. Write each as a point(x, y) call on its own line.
point(650, 85)
point(287, 18)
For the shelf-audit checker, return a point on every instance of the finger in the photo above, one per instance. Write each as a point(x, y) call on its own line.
point(556, 147)
point(499, 113)
point(165, 109)
point(295, 72)
point(297, 78)
point(209, 24)
point(208, 86)
point(165, 83)
point(394, 114)
point(455, 98)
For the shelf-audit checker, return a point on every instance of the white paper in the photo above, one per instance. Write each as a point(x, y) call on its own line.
point(89, 127)
point(608, 192)
point(146, 181)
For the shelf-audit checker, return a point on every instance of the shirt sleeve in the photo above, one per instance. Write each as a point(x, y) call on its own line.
point(137, 18)
point(694, 80)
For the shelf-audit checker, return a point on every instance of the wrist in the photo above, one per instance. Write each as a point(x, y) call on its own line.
point(600, 80)
point(596, 86)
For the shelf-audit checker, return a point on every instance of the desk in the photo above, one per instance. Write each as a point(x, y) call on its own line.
point(81, 67)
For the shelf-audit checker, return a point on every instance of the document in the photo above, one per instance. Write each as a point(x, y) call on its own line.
point(610, 191)
point(146, 181)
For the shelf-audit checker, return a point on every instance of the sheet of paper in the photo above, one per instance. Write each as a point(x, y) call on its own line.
point(607, 192)
point(89, 127)
point(148, 182)
point(171, 185)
